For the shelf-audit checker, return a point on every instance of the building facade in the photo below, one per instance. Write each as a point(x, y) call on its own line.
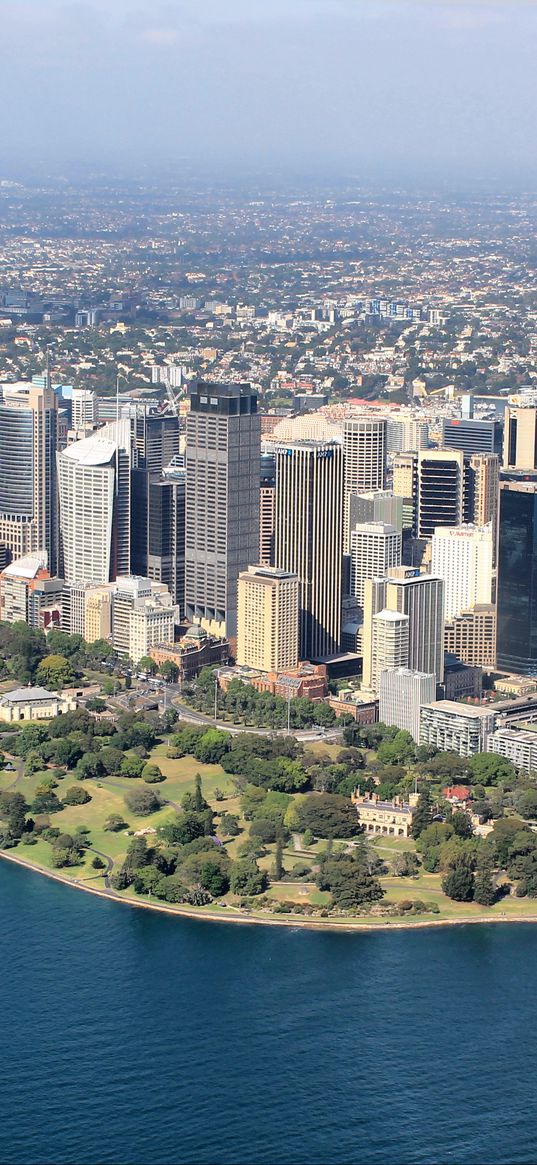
point(364, 451)
point(517, 577)
point(28, 485)
point(463, 557)
point(268, 613)
point(453, 727)
point(309, 484)
point(401, 695)
point(223, 449)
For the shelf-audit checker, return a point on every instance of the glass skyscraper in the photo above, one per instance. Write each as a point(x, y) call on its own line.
point(517, 576)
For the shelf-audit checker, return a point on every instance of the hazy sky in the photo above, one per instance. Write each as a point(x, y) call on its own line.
point(380, 85)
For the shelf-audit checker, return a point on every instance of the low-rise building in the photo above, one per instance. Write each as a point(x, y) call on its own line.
point(452, 727)
point(34, 704)
point(391, 818)
point(196, 649)
point(518, 745)
point(307, 680)
point(348, 702)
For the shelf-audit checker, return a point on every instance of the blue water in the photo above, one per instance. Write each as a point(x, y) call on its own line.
point(130, 1037)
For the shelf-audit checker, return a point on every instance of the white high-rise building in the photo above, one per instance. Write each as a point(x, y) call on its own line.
point(364, 455)
point(389, 644)
point(84, 408)
point(375, 548)
point(463, 556)
point(401, 695)
point(94, 494)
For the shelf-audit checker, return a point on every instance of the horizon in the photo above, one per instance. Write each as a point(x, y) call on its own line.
point(390, 91)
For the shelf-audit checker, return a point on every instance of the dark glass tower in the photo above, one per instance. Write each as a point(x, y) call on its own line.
point(517, 576)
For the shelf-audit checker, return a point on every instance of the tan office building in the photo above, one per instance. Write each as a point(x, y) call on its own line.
point(268, 619)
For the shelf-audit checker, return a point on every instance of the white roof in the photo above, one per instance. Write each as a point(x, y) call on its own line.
point(22, 695)
point(91, 451)
point(28, 566)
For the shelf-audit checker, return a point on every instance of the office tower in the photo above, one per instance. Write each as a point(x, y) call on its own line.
point(389, 643)
point(223, 450)
point(143, 614)
point(472, 436)
point(517, 576)
point(267, 634)
point(95, 495)
point(406, 435)
point(309, 494)
point(267, 508)
point(520, 438)
point(158, 529)
point(462, 556)
point(84, 411)
point(374, 549)
point(482, 483)
point(364, 452)
point(383, 506)
point(28, 492)
point(155, 437)
point(471, 636)
point(440, 490)
point(421, 598)
point(405, 486)
point(401, 695)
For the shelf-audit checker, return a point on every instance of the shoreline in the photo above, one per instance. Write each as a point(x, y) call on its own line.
point(245, 919)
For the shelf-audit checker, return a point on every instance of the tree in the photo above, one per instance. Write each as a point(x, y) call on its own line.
point(422, 815)
point(264, 829)
point(461, 824)
point(131, 766)
point(111, 758)
point(308, 838)
point(503, 834)
point(147, 664)
point(89, 767)
point(76, 796)
point(142, 802)
point(30, 737)
point(349, 882)
point(46, 803)
point(458, 883)
point(229, 825)
point(55, 672)
point(184, 827)
point(98, 863)
point(487, 768)
point(152, 775)
point(484, 889)
point(214, 879)
point(13, 809)
point(397, 751)
point(405, 865)
point(211, 747)
point(114, 823)
point(328, 815)
point(247, 879)
point(169, 671)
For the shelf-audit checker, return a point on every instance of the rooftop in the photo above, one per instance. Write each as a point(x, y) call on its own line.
point(22, 695)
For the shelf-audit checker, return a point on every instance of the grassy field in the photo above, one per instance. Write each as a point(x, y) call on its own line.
point(107, 797)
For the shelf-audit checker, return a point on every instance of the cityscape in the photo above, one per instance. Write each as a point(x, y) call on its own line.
point(268, 582)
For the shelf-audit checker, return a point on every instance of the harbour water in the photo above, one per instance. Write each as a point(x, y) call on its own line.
point(133, 1037)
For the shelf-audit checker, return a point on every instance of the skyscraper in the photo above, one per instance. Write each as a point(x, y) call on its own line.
point(28, 491)
point(462, 556)
point(375, 548)
point(440, 490)
point(472, 436)
point(309, 485)
point(267, 508)
point(158, 529)
point(520, 438)
point(401, 695)
point(364, 452)
point(223, 449)
point(268, 619)
point(421, 598)
point(95, 495)
point(517, 576)
point(389, 644)
point(482, 483)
